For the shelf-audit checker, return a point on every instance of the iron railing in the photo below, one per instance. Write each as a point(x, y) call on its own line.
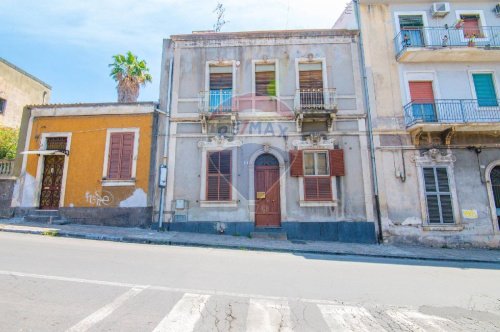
point(310, 100)
point(452, 111)
point(484, 37)
point(6, 168)
point(217, 101)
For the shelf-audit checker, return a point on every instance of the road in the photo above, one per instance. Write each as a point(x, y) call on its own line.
point(61, 284)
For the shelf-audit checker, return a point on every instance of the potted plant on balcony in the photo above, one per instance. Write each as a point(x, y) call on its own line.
point(459, 23)
point(472, 41)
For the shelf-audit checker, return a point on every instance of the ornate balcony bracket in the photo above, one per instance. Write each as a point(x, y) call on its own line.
point(447, 135)
point(331, 121)
point(299, 118)
point(415, 136)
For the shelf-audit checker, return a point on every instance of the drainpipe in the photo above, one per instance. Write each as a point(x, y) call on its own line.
point(167, 139)
point(380, 236)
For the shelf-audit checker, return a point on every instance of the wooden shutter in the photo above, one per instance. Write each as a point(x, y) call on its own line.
point(296, 163)
point(422, 92)
point(438, 196)
point(471, 26)
point(121, 153)
point(310, 79)
point(337, 167)
point(221, 81)
point(265, 84)
point(219, 176)
point(317, 188)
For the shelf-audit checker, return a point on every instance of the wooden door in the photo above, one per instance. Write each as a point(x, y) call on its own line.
point(51, 182)
point(267, 192)
point(422, 96)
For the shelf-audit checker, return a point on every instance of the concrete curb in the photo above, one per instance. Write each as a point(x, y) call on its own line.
point(199, 244)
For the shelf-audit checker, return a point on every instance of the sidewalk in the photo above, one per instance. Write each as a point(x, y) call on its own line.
point(137, 235)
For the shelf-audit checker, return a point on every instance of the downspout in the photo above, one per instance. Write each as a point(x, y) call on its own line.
point(167, 139)
point(380, 236)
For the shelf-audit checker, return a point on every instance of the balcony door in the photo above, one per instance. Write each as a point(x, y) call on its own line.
point(311, 85)
point(221, 89)
point(412, 30)
point(423, 102)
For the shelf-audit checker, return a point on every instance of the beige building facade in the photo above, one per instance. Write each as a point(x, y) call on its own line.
point(18, 89)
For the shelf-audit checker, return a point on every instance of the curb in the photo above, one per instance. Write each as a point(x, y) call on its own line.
point(173, 242)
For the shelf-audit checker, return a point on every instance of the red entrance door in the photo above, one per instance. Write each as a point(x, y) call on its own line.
point(267, 192)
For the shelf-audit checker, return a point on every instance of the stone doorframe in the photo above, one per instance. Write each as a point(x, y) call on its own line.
point(251, 180)
point(491, 198)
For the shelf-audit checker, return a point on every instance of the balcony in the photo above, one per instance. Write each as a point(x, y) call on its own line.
point(217, 102)
point(6, 168)
point(447, 44)
point(459, 114)
point(315, 101)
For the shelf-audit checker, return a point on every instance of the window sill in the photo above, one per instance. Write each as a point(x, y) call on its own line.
point(224, 204)
point(443, 228)
point(118, 183)
point(318, 203)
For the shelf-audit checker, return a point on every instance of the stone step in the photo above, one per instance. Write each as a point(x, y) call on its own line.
point(269, 235)
point(59, 221)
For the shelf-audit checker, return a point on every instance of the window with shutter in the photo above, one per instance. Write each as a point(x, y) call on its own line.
point(120, 157)
point(337, 164)
point(438, 195)
point(219, 176)
point(311, 84)
point(422, 97)
point(317, 181)
point(296, 163)
point(471, 26)
point(221, 88)
point(265, 80)
point(485, 90)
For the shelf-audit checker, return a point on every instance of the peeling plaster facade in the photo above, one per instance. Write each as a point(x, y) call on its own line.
point(253, 130)
point(469, 150)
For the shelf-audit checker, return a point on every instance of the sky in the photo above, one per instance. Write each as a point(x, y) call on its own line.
point(69, 44)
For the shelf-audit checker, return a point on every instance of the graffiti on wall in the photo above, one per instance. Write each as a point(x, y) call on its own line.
point(104, 198)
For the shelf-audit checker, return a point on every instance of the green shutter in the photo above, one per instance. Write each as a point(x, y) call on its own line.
point(485, 90)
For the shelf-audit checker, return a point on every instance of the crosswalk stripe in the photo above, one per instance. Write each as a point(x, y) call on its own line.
point(409, 318)
point(184, 315)
point(94, 318)
point(348, 318)
point(267, 316)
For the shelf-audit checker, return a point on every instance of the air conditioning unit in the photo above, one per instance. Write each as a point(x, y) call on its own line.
point(440, 9)
point(496, 10)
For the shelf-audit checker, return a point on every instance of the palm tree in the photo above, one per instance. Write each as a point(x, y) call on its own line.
point(130, 73)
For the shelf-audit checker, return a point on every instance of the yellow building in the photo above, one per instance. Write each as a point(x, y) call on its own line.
point(89, 162)
point(17, 89)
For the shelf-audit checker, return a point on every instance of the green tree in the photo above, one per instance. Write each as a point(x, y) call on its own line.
point(8, 142)
point(130, 73)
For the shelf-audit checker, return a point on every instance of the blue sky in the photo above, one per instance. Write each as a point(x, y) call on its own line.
point(69, 44)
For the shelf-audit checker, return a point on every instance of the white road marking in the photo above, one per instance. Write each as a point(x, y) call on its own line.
point(160, 288)
point(184, 315)
point(410, 318)
point(94, 318)
point(348, 318)
point(268, 316)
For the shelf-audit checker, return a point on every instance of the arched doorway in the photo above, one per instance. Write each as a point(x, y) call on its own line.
point(267, 191)
point(495, 186)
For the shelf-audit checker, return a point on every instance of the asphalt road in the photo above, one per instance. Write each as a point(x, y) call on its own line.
point(60, 284)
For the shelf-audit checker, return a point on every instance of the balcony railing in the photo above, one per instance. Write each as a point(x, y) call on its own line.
point(6, 168)
point(484, 37)
point(217, 101)
point(314, 100)
point(452, 111)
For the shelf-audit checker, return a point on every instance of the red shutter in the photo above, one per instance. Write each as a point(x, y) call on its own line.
point(422, 92)
point(317, 188)
point(219, 176)
point(296, 163)
point(121, 153)
point(471, 27)
point(337, 164)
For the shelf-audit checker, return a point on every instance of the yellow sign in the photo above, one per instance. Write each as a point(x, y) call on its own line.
point(470, 214)
point(261, 195)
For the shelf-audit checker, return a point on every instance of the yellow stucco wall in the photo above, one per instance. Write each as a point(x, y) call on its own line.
point(19, 90)
point(83, 186)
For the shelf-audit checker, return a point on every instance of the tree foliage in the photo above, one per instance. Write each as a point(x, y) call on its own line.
point(130, 73)
point(8, 142)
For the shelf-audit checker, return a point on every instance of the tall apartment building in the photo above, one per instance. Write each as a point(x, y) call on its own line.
point(433, 74)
